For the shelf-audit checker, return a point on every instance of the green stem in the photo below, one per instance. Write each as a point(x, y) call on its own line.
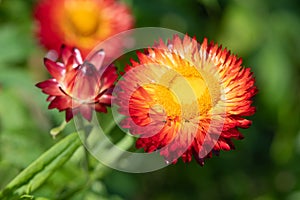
point(114, 155)
point(42, 168)
point(55, 131)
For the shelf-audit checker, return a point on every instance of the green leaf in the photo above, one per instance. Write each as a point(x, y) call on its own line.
point(40, 170)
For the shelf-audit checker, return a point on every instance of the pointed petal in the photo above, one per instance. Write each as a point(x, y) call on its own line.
point(56, 70)
point(71, 63)
point(65, 53)
point(52, 55)
point(50, 87)
point(105, 99)
point(77, 56)
point(50, 98)
point(108, 78)
point(69, 114)
point(61, 103)
point(86, 112)
point(100, 108)
point(97, 59)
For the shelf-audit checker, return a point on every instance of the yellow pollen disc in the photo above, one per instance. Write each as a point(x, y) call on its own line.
point(164, 99)
point(83, 17)
point(182, 91)
point(193, 95)
point(185, 96)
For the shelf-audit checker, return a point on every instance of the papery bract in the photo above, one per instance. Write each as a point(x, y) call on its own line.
point(193, 100)
point(78, 86)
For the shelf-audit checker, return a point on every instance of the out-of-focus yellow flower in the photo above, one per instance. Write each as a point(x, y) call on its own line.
point(80, 23)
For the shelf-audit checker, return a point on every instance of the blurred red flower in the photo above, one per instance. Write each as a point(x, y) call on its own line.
point(186, 99)
point(78, 86)
point(80, 23)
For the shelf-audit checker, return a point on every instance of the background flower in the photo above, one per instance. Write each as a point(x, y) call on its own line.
point(80, 23)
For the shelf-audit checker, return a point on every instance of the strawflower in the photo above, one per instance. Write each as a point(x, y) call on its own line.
point(186, 100)
point(78, 86)
point(80, 23)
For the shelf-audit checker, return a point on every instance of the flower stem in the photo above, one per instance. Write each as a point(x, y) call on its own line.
point(55, 131)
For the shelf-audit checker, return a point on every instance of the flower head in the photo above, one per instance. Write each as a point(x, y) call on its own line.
point(184, 99)
point(80, 23)
point(78, 86)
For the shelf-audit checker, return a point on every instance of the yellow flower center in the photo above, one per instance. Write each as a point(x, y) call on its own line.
point(83, 17)
point(182, 92)
point(163, 98)
point(84, 23)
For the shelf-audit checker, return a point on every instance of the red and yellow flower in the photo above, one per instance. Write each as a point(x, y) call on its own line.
point(184, 99)
point(78, 86)
point(80, 23)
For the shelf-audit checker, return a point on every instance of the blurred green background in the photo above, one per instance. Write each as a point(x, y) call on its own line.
point(264, 166)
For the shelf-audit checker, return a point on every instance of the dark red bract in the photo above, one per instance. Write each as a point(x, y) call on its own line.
point(78, 86)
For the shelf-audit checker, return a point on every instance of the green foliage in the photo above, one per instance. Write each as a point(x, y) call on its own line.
point(38, 172)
